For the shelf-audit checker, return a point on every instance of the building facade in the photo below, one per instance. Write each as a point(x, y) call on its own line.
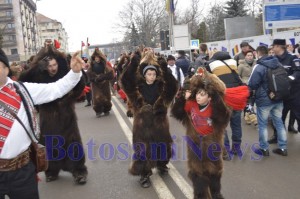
point(51, 29)
point(18, 29)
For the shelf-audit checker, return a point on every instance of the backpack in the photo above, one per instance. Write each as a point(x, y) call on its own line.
point(278, 83)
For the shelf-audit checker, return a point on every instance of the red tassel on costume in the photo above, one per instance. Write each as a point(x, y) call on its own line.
point(122, 94)
point(86, 90)
point(237, 97)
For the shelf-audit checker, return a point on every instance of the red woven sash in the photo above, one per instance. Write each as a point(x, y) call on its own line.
point(9, 96)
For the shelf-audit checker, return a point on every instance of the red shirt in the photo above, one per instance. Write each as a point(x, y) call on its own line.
point(200, 118)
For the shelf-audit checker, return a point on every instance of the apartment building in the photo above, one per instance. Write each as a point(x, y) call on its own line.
point(18, 29)
point(52, 30)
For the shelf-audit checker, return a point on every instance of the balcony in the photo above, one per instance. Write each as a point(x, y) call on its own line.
point(6, 6)
point(7, 19)
point(12, 58)
point(9, 43)
point(9, 31)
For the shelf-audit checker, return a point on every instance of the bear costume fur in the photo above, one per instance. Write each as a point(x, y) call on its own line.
point(100, 74)
point(58, 118)
point(150, 121)
point(205, 167)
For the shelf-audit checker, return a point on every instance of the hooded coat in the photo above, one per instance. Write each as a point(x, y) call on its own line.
point(100, 75)
point(58, 120)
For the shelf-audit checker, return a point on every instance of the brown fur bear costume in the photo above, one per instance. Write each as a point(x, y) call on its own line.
point(205, 167)
point(100, 75)
point(150, 123)
point(58, 118)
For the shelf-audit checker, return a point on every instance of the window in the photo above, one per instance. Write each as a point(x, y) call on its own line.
point(12, 37)
point(9, 13)
point(7, 1)
point(14, 51)
point(10, 25)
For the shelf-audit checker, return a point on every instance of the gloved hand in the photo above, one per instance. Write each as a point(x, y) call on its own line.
point(129, 113)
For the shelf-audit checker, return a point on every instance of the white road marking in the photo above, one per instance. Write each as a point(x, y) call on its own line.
point(158, 184)
point(182, 184)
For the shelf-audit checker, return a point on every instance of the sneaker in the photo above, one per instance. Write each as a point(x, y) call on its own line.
point(88, 104)
point(253, 118)
point(279, 151)
point(80, 179)
point(145, 181)
point(263, 152)
point(247, 118)
point(98, 115)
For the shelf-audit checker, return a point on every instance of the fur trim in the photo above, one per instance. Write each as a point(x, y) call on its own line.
point(98, 53)
point(38, 67)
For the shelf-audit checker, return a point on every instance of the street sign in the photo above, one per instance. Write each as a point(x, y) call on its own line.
point(281, 13)
point(195, 43)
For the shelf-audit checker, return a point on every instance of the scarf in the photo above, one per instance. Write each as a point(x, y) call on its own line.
point(11, 98)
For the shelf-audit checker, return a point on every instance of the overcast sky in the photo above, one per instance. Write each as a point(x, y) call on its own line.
point(94, 19)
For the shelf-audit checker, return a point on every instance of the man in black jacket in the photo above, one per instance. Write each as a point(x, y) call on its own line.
point(291, 64)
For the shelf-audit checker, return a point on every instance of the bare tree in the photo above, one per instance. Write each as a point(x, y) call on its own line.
point(191, 16)
point(254, 7)
point(215, 22)
point(146, 16)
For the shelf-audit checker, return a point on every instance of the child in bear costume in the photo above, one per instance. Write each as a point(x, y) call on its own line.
point(150, 87)
point(202, 110)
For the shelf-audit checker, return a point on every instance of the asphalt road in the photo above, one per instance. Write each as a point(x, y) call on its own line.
point(107, 143)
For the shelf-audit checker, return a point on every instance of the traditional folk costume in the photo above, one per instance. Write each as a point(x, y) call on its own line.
point(58, 118)
point(100, 74)
point(149, 106)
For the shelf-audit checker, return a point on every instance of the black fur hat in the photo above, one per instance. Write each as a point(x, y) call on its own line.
point(279, 42)
point(3, 58)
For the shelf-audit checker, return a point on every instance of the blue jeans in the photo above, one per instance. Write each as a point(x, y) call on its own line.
point(236, 129)
point(275, 111)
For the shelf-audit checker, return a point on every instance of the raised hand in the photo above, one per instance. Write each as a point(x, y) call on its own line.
point(76, 63)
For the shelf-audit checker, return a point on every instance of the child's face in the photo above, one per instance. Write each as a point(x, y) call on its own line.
point(202, 97)
point(150, 76)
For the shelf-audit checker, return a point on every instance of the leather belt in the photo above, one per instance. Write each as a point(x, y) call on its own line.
point(15, 163)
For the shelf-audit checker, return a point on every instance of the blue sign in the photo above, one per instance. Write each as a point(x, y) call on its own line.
point(195, 43)
point(282, 12)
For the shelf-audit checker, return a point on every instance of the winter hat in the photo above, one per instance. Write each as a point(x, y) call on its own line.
point(149, 67)
point(170, 57)
point(221, 55)
point(3, 58)
point(279, 42)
